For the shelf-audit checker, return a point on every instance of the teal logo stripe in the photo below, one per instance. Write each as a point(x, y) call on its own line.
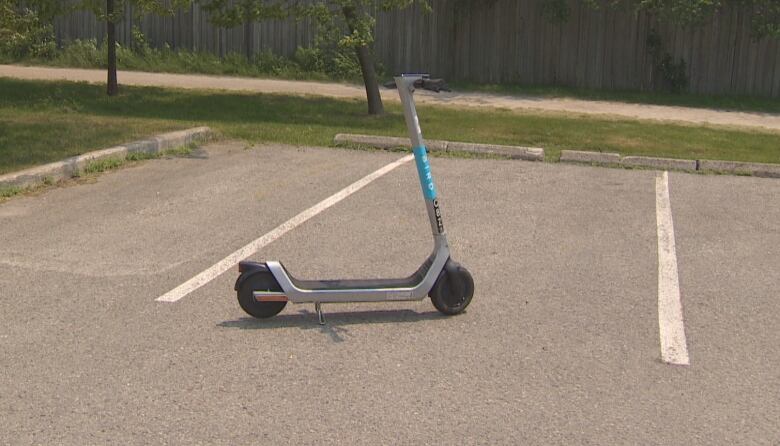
point(424, 170)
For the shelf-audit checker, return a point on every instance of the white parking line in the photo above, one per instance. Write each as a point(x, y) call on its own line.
point(674, 347)
point(233, 259)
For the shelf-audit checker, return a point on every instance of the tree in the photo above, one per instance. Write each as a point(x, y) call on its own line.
point(765, 14)
point(353, 19)
point(766, 19)
point(22, 32)
point(112, 11)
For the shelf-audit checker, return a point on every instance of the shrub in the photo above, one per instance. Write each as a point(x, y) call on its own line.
point(309, 59)
point(23, 34)
point(80, 53)
point(668, 74)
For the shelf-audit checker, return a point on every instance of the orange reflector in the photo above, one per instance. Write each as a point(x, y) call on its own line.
point(271, 298)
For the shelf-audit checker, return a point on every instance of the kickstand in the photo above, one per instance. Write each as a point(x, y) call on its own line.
point(320, 316)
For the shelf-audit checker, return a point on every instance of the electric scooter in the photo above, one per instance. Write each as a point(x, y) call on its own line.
point(265, 288)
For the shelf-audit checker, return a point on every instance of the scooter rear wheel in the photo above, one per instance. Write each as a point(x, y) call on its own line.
point(453, 290)
point(259, 281)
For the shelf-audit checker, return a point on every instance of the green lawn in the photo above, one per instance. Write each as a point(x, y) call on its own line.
point(46, 121)
point(29, 138)
point(87, 54)
point(719, 102)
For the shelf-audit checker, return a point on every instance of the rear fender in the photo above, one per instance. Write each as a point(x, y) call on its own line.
point(248, 269)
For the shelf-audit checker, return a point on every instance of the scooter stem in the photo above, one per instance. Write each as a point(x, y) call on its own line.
point(405, 84)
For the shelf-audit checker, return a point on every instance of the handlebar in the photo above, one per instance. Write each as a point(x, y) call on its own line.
point(424, 82)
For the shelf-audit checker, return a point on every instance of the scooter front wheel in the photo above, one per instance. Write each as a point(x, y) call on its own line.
point(453, 290)
point(259, 281)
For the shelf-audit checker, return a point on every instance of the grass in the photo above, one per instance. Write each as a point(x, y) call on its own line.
point(720, 102)
point(102, 165)
point(310, 64)
point(10, 191)
point(305, 64)
point(97, 167)
point(105, 164)
point(30, 137)
point(46, 121)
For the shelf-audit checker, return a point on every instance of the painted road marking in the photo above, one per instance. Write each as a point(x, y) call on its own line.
point(233, 259)
point(674, 347)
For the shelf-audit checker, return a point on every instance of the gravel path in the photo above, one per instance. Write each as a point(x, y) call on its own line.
point(636, 111)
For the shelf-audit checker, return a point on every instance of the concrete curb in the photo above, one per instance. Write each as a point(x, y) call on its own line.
point(570, 156)
point(728, 167)
point(513, 152)
point(385, 142)
point(388, 142)
point(658, 163)
point(67, 168)
point(576, 156)
point(614, 159)
point(739, 168)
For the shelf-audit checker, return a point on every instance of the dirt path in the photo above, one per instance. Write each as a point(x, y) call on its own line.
point(335, 90)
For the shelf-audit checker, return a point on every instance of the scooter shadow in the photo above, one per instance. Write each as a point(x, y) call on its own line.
point(334, 322)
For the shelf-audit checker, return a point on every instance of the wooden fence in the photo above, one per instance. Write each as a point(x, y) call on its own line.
point(503, 41)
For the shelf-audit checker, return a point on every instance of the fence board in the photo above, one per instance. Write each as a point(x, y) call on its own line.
point(506, 41)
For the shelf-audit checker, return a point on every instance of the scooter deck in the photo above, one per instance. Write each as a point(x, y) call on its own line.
point(361, 284)
point(350, 284)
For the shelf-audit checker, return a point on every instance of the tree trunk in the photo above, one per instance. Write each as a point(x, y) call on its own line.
point(375, 106)
point(248, 28)
point(112, 86)
point(367, 68)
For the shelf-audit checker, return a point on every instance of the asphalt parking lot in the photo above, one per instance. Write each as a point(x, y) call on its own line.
point(559, 346)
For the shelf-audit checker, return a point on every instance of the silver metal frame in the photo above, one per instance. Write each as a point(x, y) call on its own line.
point(441, 252)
